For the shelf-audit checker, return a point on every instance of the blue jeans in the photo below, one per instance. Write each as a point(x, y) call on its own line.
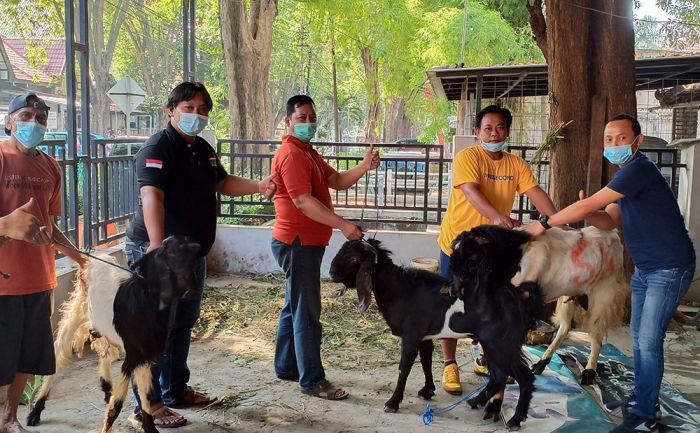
point(444, 267)
point(298, 346)
point(655, 296)
point(171, 374)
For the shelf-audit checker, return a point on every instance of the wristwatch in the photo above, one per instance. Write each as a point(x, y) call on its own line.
point(544, 220)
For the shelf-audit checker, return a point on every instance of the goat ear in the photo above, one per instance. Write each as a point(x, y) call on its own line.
point(365, 283)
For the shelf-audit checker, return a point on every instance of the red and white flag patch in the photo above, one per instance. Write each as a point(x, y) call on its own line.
point(154, 163)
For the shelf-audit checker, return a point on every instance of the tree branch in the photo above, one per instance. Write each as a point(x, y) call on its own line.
point(539, 25)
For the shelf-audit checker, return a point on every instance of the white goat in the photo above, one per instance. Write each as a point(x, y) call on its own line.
point(572, 263)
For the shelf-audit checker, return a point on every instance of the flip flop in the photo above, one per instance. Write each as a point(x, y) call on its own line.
point(192, 398)
point(159, 419)
point(327, 388)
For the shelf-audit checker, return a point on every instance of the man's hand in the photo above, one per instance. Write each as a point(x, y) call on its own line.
point(22, 225)
point(535, 229)
point(267, 186)
point(351, 231)
point(371, 159)
point(506, 221)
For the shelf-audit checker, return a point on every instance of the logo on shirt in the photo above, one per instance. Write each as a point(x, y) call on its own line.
point(212, 161)
point(154, 163)
point(498, 177)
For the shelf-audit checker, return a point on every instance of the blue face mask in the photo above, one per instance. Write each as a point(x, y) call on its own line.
point(618, 154)
point(30, 134)
point(191, 123)
point(304, 131)
point(495, 147)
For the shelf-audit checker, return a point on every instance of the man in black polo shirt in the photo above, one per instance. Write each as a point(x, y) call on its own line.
point(179, 174)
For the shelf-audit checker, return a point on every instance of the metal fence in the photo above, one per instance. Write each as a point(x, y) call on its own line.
point(99, 194)
point(409, 190)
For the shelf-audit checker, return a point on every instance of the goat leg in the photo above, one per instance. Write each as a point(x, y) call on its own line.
point(425, 350)
point(589, 373)
point(409, 351)
point(526, 382)
point(493, 407)
point(143, 378)
point(483, 397)
point(116, 402)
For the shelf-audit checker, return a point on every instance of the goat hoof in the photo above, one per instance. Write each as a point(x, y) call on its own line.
point(473, 402)
point(391, 407)
point(493, 409)
point(540, 365)
point(106, 389)
point(35, 414)
point(588, 377)
point(513, 424)
point(426, 393)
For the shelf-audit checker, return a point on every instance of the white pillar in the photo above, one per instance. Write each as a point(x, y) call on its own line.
point(689, 201)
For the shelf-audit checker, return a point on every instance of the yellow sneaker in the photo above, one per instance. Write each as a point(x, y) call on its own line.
point(480, 368)
point(450, 379)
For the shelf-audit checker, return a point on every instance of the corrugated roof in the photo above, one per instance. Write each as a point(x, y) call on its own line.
point(17, 53)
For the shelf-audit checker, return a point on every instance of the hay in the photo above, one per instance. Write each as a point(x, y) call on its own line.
point(250, 310)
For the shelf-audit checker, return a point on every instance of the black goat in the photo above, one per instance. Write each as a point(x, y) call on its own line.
point(131, 314)
point(418, 309)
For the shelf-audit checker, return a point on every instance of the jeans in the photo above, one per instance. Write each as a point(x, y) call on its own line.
point(171, 374)
point(444, 267)
point(655, 296)
point(298, 346)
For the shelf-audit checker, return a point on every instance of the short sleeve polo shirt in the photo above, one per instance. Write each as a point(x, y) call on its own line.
point(301, 170)
point(188, 174)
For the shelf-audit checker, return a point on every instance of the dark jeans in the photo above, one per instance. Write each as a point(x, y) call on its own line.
point(444, 268)
point(171, 374)
point(298, 347)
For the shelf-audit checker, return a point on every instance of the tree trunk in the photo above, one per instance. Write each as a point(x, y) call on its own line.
point(372, 86)
point(246, 35)
point(337, 137)
point(101, 53)
point(590, 54)
point(396, 124)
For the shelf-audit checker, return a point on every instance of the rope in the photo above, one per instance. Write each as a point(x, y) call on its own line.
point(85, 253)
point(427, 416)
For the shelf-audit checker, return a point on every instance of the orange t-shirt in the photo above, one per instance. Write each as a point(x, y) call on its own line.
point(300, 170)
point(32, 268)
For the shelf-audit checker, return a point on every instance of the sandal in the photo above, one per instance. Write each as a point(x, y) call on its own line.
point(192, 398)
point(163, 417)
point(326, 391)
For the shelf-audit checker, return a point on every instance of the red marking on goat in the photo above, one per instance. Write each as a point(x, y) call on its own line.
point(576, 259)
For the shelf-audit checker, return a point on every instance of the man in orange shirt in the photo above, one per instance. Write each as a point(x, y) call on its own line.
point(303, 226)
point(30, 182)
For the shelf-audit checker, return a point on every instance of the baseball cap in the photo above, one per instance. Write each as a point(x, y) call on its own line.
point(21, 101)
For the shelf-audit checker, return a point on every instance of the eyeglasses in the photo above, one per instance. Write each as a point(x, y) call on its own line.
point(40, 117)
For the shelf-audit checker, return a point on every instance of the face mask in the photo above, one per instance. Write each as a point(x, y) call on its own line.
point(618, 154)
point(30, 134)
point(304, 131)
point(191, 123)
point(495, 147)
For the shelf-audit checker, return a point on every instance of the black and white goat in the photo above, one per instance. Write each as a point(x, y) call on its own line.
point(418, 308)
point(583, 270)
point(131, 314)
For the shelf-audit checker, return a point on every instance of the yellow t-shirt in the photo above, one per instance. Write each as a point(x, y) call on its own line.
point(498, 181)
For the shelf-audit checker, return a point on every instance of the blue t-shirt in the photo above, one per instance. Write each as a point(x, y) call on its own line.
point(655, 234)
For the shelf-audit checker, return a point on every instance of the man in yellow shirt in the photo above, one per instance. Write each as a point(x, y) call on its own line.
point(485, 179)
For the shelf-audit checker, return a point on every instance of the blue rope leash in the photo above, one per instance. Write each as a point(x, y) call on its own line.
point(427, 416)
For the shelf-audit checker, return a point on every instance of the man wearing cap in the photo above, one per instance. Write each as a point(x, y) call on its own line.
point(30, 183)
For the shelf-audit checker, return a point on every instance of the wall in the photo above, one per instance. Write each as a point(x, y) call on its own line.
point(690, 203)
point(247, 249)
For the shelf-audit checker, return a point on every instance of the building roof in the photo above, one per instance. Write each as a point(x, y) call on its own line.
point(18, 53)
point(532, 80)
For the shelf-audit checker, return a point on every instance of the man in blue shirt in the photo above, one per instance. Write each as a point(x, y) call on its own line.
point(641, 201)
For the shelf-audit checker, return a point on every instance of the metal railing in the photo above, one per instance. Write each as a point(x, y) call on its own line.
point(99, 194)
point(410, 189)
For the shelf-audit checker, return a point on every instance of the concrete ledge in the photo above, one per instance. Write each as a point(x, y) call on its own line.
point(247, 249)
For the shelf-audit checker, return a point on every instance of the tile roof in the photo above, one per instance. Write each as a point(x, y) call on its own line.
point(16, 50)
